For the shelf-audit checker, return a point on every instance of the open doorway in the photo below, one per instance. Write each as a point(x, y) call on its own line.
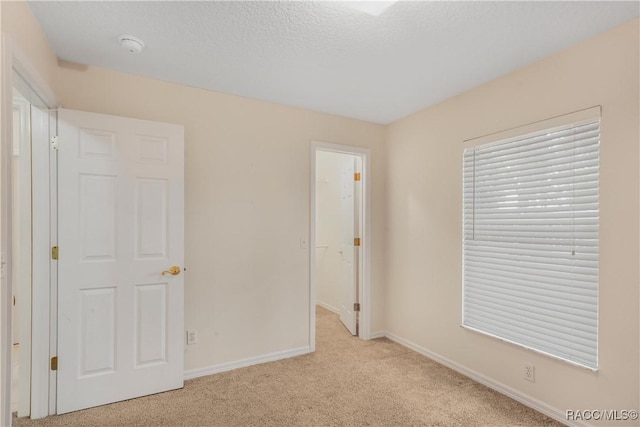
point(25, 238)
point(339, 243)
point(21, 255)
point(338, 218)
point(28, 222)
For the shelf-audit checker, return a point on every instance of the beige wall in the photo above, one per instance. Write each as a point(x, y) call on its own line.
point(26, 33)
point(247, 205)
point(424, 152)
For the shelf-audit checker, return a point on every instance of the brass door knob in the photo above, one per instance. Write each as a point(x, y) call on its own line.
point(174, 271)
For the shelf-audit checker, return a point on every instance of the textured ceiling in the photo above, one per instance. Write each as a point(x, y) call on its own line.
point(325, 56)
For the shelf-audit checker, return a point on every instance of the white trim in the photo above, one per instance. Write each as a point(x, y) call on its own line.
point(19, 63)
point(378, 334)
point(328, 307)
point(40, 254)
point(53, 266)
point(365, 266)
point(243, 363)
point(526, 130)
point(6, 149)
point(14, 60)
point(525, 399)
point(313, 287)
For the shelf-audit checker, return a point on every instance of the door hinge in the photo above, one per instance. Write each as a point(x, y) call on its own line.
point(356, 176)
point(54, 142)
point(356, 306)
point(54, 252)
point(356, 241)
point(54, 363)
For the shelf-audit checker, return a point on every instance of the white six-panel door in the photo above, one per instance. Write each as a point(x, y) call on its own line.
point(348, 231)
point(121, 222)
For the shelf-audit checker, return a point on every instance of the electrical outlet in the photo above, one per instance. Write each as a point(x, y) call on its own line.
point(530, 372)
point(192, 337)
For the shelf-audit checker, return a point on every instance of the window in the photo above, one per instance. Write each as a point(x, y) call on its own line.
point(530, 239)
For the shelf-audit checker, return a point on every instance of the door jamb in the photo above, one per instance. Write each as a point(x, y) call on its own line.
point(364, 285)
point(14, 60)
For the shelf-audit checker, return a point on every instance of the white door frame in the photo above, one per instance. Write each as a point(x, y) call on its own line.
point(15, 61)
point(364, 285)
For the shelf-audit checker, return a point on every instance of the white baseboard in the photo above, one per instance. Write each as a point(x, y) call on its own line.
point(527, 400)
point(229, 366)
point(328, 307)
point(376, 335)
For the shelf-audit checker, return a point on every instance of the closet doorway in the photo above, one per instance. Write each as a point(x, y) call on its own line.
point(339, 241)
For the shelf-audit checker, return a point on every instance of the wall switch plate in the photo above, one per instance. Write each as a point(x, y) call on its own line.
point(192, 337)
point(303, 243)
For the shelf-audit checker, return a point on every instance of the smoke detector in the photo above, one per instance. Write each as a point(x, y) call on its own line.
point(131, 43)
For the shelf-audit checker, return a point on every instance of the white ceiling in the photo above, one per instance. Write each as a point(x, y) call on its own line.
point(325, 56)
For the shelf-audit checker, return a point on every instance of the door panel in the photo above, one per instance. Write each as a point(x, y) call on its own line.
point(121, 224)
point(97, 216)
point(348, 250)
point(97, 331)
point(151, 324)
point(151, 218)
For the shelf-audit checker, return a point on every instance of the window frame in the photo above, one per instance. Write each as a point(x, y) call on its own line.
point(541, 127)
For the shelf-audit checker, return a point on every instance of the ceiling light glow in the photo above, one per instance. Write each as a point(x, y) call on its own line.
point(372, 7)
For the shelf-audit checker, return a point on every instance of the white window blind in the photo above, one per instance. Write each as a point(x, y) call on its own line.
point(531, 241)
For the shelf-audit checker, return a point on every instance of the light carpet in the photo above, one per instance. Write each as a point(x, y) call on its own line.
point(346, 382)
